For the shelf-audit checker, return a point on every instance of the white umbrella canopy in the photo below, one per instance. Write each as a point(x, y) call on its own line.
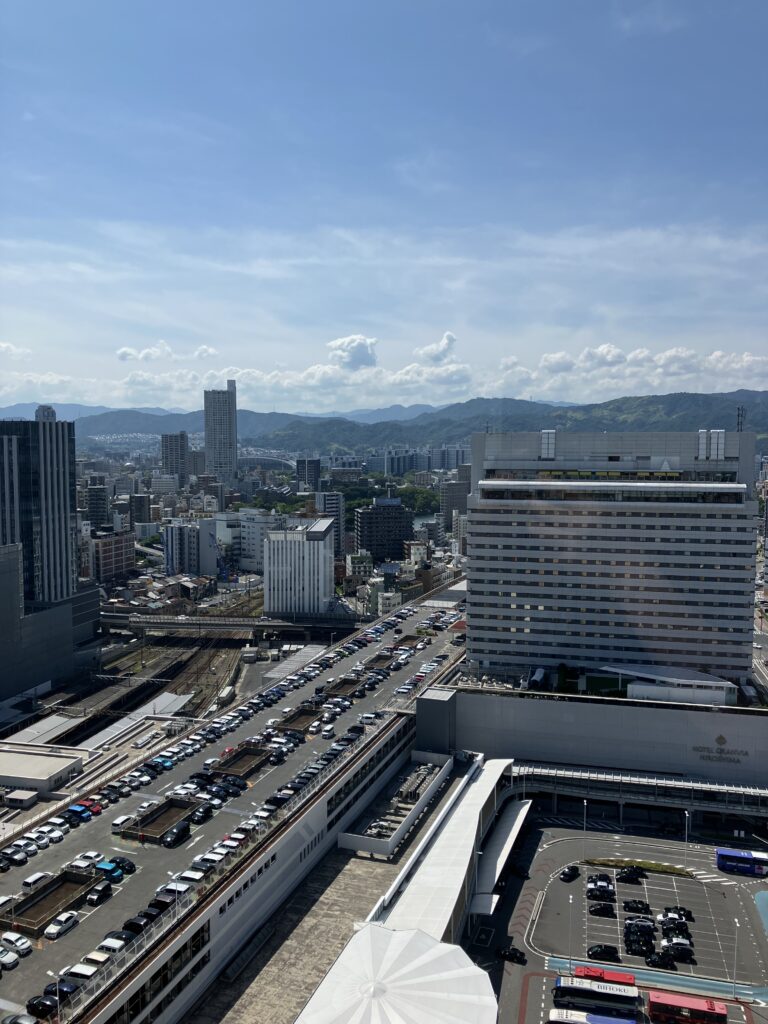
point(401, 977)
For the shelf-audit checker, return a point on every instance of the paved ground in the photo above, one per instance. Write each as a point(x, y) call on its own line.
point(311, 929)
point(156, 863)
point(537, 914)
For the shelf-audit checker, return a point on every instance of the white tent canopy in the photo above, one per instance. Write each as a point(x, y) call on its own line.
point(401, 977)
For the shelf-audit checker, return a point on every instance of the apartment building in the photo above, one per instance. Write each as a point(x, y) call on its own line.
point(220, 416)
point(607, 549)
point(298, 569)
point(382, 528)
point(332, 504)
point(308, 474)
point(174, 451)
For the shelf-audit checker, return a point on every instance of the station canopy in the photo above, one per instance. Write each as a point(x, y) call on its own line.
point(384, 976)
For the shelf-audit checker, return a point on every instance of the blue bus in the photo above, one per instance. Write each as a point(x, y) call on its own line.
point(742, 862)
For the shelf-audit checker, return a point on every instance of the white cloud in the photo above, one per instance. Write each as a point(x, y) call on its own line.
point(162, 350)
point(353, 352)
point(646, 17)
point(438, 353)
point(205, 352)
point(13, 351)
point(597, 374)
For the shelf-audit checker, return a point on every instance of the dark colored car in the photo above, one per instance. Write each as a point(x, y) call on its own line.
point(229, 789)
point(277, 758)
point(152, 913)
point(600, 894)
point(73, 820)
point(602, 951)
point(568, 874)
point(100, 893)
point(136, 925)
point(637, 906)
point(62, 990)
point(176, 836)
point(42, 1007)
point(627, 877)
point(512, 954)
point(126, 866)
point(663, 959)
point(359, 693)
point(233, 780)
point(200, 814)
point(5, 864)
point(602, 910)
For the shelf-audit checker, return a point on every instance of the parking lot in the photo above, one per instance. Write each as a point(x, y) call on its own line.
point(565, 928)
point(155, 864)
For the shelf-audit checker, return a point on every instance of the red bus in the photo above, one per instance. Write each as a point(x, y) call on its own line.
point(600, 974)
point(674, 1008)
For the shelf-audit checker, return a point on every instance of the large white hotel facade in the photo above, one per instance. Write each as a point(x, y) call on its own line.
point(605, 548)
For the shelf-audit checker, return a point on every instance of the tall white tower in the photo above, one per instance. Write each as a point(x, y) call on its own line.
point(220, 409)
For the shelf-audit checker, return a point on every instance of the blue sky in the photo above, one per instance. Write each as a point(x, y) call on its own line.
point(346, 204)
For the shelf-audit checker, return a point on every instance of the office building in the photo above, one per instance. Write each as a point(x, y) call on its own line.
point(308, 474)
point(382, 528)
point(298, 569)
point(331, 503)
point(602, 549)
point(195, 461)
point(190, 546)
point(97, 509)
point(220, 412)
point(138, 509)
point(35, 649)
point(113, 555)
point(174, 451)
point(453, 498)
point(38, 506)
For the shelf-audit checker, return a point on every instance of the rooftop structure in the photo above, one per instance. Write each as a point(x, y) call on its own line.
point(395, 976)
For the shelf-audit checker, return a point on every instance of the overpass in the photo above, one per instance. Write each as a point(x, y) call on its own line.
point(213, 625)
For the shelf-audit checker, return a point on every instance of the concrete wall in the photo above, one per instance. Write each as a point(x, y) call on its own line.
point(721, 745)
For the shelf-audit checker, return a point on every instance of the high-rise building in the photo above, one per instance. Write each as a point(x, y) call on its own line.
point(189, 546)
point(308, 474)
point(97, 510)
point(453, 498)
point(381, 529)
point(331, 503)
point(298, 569)
point(38, 507)
point(601, 549)
point(220, 410)
point(138, 506)
point(174, 451)
point(195, 461)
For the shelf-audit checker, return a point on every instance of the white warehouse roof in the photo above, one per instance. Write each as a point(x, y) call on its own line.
point(401, 977)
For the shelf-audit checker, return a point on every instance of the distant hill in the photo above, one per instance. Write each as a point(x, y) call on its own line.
point(389, 414)
point(70, 411)
point(684, 411)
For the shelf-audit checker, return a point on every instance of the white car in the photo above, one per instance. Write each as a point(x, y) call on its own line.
point(61, 924)
point(211, 762)
point(53, 835)
point(146, 806)
point(91, 856)
point(16, 943)
point(315, 728)
point(41, 841)
point(26, 846)
point(8, 960)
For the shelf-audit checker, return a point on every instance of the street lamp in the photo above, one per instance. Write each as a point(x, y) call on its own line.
point(58, 993)
point(584, 839)
point(735, 948)
point(685, 854)
point(570, 933)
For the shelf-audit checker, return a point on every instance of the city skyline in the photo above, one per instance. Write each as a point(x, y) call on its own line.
point(355, 207)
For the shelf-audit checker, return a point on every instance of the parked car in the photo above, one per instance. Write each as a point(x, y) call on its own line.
point(603, 951)
point(602, 910)
point(61, 924)
point(16, 943)
point(569, 873)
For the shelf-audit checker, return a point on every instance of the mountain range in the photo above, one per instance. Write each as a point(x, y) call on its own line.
point(432, 425)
